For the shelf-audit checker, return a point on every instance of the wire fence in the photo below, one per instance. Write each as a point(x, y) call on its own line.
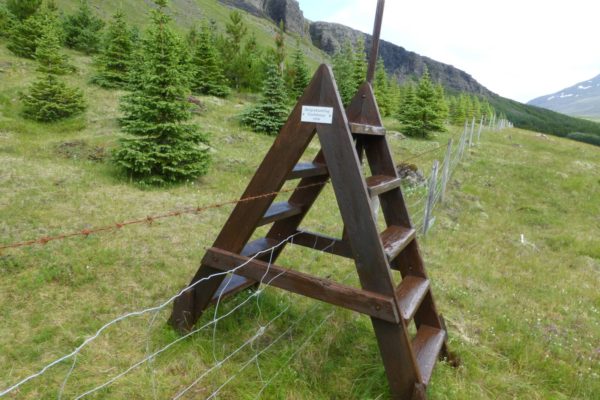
point(265, 335)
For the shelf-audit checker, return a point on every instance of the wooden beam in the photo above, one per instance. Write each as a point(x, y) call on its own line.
point(362, 301)
point(375, 45)
point(323, 243)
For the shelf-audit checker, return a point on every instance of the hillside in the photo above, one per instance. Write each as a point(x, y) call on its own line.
point(581, 100)
point(513, 257)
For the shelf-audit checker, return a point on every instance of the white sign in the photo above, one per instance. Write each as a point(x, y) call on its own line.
point(319, 115)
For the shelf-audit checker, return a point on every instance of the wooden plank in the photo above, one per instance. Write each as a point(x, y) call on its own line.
point(427, 345)
point(379, 184)
point(410, 293)
point(323, 243)
point(363, 129)
point(365, 302)
point(279, 211)
point(371, 263)
point(395, 239)
point(231, 285)
point(307, 170)
point(375, 45)
point(288, 147)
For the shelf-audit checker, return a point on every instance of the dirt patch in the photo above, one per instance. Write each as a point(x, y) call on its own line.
point(81, 150)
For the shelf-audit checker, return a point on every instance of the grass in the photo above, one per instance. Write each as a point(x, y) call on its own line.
point(524, 318)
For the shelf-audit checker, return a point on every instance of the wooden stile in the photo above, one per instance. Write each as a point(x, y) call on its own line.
point(352, 133)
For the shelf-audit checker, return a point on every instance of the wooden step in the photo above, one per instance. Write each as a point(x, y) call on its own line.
point(395, 239)
point(427, 345)
point(231, 285)
point(363, 129)
point(379, 184)
point(411, 292)
point(234, 283)
point(307, 170)
point(279, 211)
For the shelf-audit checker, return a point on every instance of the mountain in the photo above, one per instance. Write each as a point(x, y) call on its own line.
point(581, 100)
point(318, 40)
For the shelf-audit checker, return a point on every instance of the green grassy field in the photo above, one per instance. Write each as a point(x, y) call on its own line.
point(524, 317)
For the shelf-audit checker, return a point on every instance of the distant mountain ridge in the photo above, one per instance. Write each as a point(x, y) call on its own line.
point(581, 99)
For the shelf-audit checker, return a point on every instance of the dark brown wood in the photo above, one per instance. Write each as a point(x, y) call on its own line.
point(307, 170)
point(395, 239)
point(231, 285)
point(379, 184)
point(411, 292)
point(373, 269)
point(427, 345)
point(376, 38)
point(279, 211)
point(363, 129)
point(323, 243)
point(362, 301)
point(288, 147)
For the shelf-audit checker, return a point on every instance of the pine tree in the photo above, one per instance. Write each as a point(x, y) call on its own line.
point(280, 48)
point(231, 48)
point(49, 99)
point(161, 145)
point(299, 78)
point(407, 104)
point(442, 105)
point(271, 113)
point(23, 9)
point(49, 54)
point(359, 74)
point(25, 35)
point(115, 59)
point(382, 89)
point(82, 30)
point(343, 69)
point(7, 21)
point(421, 116)
point(207, 68)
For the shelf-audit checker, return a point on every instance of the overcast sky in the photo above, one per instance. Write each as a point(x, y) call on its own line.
point(520, 49)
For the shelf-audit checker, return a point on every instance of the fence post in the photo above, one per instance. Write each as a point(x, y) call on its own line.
point(430, 197)
point(472, 130)
point(479, 132)
point(446, 171)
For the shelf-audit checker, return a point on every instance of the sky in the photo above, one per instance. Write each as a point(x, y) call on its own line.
point(520, 49)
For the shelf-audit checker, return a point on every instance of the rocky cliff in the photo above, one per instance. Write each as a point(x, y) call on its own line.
point(398, 61)
point(287, 11)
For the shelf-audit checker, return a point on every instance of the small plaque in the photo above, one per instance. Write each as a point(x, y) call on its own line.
point(319, 115)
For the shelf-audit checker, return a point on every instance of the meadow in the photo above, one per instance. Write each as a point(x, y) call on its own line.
point(514, 258)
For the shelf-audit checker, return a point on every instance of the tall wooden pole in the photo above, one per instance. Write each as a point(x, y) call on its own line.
point(375, 44)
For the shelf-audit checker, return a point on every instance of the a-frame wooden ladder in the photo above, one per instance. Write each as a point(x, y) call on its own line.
point(352, 134)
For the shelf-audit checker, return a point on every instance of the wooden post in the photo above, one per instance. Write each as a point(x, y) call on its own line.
point(375, 44)
point(446, 171)
point(431, 196)
point(479, 132)
point(472, 131)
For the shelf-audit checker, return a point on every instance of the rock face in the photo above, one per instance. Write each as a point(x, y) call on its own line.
point(404, 64)
point(329, 37)
point(287, 11)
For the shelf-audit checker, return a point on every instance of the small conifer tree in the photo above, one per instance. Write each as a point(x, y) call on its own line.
point(49, 99)
point(442, 105)
point(298, 74)
point(343, 69)
point(382, 89)
point(359, 74)
point(48, 53)
point(23, 9)
point(82, 30)
point(207, 69)
point(280, 51)
point(161, 146)
point(25, 35)
point(115, 59)
point(7, 21)
point(421, 116)
point(271, 113)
